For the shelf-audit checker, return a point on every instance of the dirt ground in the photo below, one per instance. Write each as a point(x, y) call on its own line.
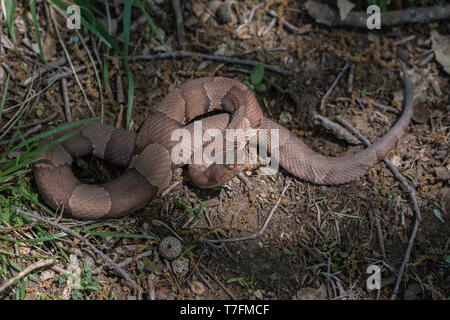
point(321, 239)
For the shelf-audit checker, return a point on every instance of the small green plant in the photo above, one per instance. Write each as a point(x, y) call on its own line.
point(433, 25)
point(243, 282)
point(256, 78)
point(84, 284)
point(196, 212)
point(40, 109)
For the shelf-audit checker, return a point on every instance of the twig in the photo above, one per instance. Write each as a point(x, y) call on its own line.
point(260, 232)
point(166, 192)
point(380, 237)
point(66, 74)
point(120, 99)
point(350, 79)
point(425, 60)
point(250, 15)
point(188, 54)
point(325, 14)
point(404, 40)
point(412, 195)
point(270, 26)
point(26, 134)
point(36, 122)
point(50, 66)
point(179, 22)
point(324, 98)
point(306, 28)
point(165, 225)
point(129, 260)
point(74, 234)
point(339, 131)
point(65, 95)
point(378, 105)
point(217, 281)
point(151, 288)
point(9, 71)
point(244, 179)
point(27, 270)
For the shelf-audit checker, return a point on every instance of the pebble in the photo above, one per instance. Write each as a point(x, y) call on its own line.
point(47, 274)
point(197, 287)
point(224, 14)
point(258, 294)
point(181, 266)
point(420, 115)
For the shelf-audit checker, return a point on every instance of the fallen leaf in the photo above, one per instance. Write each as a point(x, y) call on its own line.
point(345, 7)
point(441, 48)
point(49, 46)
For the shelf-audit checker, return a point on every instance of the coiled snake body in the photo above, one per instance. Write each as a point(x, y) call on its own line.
point(147, 154)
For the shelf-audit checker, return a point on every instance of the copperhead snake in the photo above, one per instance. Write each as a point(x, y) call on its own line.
point(147, 153)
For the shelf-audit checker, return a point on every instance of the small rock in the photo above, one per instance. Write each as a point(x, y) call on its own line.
point(224, 14)
point(47, 274)
point(412, 291)
point(224, 50)
point(403, 54)
point(214, 5)
point(274, 277)
point(66, 294)
point(258, 294)
point(235, 180)
point(372, 37)
point(420, 115)
point(311, 293)
point(191, 21)
point(442, 173)
point(285, 118)
point(181, 266)
point(197, 287)
point(198, 9)
point(396, 161)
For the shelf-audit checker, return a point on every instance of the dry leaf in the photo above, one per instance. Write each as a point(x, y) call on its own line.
point(49, 46)
point(441, 47)
point(345, 7)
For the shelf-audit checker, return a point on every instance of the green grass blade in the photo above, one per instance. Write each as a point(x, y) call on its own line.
point(10, 9)
point(95, 27)
point(2, 105)
point(106, 73)
point(29, 157)
point(190, 248)
point(126, 40)
point(45, 238)
point(89, 6)
point(130, 96)
point(36, 28)
point(53, 131)
point(152, 25)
